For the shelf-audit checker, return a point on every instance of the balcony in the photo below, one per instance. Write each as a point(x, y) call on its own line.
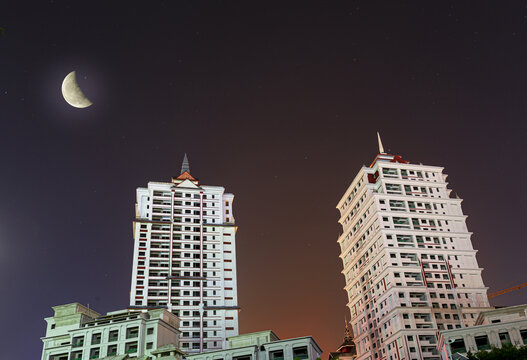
point(408, 177)
point(420, 304)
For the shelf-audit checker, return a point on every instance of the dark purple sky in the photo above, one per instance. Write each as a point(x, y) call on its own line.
point(277, 102)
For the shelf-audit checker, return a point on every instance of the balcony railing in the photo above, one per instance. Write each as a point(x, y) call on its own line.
point(301, 357)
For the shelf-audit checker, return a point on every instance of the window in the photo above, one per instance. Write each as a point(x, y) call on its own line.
point(132, 333)
point(130, 347)
point(95, 353)
point(300, 352)
point(505, 337)
point(458, 346)
point(482, 342)
point(523, 334)
point(59, 357)
point(244, 357)
point(149, 345)
point(76, 355)
point(112, 350)
point(77, 341)
point(113, 335)
point(276, 355)
point(96, 339)
point(149, 331)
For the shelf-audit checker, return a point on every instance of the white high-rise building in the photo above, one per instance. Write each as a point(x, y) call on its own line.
point(408, 260)
point(185, 258)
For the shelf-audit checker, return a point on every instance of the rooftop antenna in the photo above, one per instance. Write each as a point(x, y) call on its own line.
point(381, 148)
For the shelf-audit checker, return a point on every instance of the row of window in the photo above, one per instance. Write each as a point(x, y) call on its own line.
point(113, 335)
point(111, 350)
point(419, 191)
point(482, 341)
point(163, 303)
point(178, 194)
point(410, 174)
point(353, 193)
point(413, 206)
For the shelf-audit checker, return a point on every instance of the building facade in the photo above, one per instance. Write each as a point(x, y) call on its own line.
point(493, 328)
point(185, 258)
point(408, 260)
point(263, 345)
point(76, 332)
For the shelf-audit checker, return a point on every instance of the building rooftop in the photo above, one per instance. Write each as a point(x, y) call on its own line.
point(512, 313)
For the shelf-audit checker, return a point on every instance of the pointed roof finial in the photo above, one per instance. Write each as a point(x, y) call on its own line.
point(347, 333)
point(185, 166)
point(381, 148)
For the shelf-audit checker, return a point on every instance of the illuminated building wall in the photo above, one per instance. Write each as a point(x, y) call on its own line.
point(185, 258)
point(408, 260)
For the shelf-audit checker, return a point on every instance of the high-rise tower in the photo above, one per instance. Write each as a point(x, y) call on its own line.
point(185, 258)
point(408, 259)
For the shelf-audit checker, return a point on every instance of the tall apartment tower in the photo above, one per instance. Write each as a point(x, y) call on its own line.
point(408, 260)
point(185, 258)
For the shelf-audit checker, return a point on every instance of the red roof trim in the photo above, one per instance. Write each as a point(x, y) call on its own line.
point(186, 176)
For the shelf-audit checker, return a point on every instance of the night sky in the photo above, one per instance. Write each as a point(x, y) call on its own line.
point(277, 101)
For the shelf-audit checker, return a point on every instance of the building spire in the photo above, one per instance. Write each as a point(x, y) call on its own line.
point(381, 148)
point(347, 333)
point(185, 166)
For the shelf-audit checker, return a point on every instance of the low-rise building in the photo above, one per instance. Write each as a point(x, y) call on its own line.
point(263, 345)
point(346, 351)
point(76, 332)
point(497, 327)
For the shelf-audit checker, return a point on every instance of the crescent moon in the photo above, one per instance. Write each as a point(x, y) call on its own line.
point(72, 92)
